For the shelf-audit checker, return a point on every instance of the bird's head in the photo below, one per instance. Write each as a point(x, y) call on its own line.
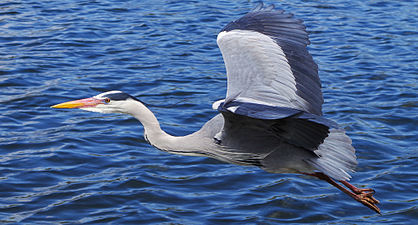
point(107, 102)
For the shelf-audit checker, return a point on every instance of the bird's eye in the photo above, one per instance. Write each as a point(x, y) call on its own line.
point(107, 100)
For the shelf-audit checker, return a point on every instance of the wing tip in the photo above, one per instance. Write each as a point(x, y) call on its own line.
point(284, 22)
point(261, 7)
point(258, 7)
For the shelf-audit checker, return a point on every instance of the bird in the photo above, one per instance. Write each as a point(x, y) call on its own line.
point(271, 116)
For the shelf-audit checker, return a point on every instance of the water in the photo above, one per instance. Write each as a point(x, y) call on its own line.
point(78, 167)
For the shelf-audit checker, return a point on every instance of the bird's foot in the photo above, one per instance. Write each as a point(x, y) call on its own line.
point(362, 195)
point(368, 194)
point(365, 197)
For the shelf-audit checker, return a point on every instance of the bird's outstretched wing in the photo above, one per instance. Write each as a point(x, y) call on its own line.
point(267, 61)
point(274, 99)
point(271, 76)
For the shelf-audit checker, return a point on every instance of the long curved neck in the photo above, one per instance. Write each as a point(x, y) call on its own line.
point(156, 136)
point(196, 144)
point(152, 130)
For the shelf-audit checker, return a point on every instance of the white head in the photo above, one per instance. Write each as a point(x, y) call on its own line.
point(107, 102)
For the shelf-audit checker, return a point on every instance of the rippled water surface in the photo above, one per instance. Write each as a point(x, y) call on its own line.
point(77, 167)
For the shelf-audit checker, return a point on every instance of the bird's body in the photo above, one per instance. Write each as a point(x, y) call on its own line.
point(271, 116)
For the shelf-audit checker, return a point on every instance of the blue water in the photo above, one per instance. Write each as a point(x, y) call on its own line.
point(77, 167)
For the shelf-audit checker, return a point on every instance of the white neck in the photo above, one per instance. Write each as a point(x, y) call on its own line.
point(184, 145)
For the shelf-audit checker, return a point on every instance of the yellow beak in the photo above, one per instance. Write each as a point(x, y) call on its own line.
point(87, 102)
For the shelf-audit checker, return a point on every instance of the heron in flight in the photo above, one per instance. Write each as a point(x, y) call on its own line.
point(271, 116)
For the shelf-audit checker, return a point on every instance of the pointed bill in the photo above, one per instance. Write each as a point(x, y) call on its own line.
point(82, 103)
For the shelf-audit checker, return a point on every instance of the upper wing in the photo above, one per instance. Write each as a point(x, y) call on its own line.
point(273, 102)
point(267, 61)
point(274, 92)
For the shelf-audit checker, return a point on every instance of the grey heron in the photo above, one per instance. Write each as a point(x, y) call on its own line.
point(272, 114)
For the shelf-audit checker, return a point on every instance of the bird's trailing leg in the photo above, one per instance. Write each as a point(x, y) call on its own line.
point(364, 196)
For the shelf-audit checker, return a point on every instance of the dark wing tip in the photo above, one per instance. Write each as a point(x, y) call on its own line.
point(275, 23)
point(260, 7)
point(297, 127)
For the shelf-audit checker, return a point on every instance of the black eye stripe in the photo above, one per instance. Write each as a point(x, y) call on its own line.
point(119, 96)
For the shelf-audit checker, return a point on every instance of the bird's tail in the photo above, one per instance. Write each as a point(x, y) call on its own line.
point(336, 156)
